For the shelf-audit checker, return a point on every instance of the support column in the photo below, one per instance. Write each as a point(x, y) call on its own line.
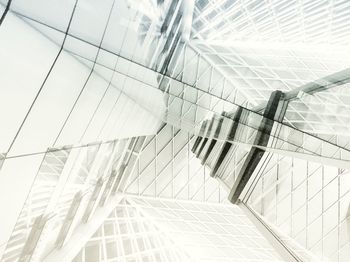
point(199, 138)
point(227, 145)
point(205, 139)
point(213, 141)
point(274, 110)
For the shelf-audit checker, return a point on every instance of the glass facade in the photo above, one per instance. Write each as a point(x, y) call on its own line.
point(174, 130)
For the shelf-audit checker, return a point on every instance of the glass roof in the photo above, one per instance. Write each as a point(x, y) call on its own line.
point(127, 128)
point(311, 22)
point(163, 230)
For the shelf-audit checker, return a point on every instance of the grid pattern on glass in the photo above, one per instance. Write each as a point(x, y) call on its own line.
point(98, 53)
point(196, 70)
point(63, 192)
point(73, 102)
point(315, 22)
point(70, 72)
point(257, 70)
point(79, 42)
point(37, 201)
point(167, 168)
point(115, 23)
point(306, 201)
point(261, 46)
point(93, 173)
point(106, 80)
point(283, 139)
point(193, 91)
point(127, 235)
point(325, 112)
point(221, 232)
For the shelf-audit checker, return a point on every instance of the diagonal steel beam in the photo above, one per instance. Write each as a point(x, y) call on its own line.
point(262, 138)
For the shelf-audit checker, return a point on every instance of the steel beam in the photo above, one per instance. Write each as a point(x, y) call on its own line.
point(205, 139)
point(67, 223)
point(213, 141)
point(281, 248)
point(107, 188)
point(274, 110)
point(327, 82)
point(33, 239)
point(92, 200)
point(83, 232)
point(227, 145)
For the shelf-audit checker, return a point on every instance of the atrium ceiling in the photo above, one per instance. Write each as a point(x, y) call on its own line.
point(175, 130)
